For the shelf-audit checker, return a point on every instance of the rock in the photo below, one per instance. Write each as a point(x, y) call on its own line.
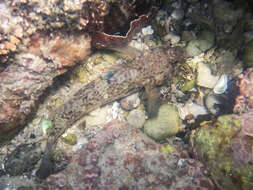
point(98, 116)
point(248, 36)
point(166, 123)
point(226, 150)
point(204, 42)
point(221, 85)
point(120, 157)
point(227, 63)
point(173, 38)
point(205, 77)
point(136, 118)
point(187, 36)
point(224, 12)
point(191, 109)
point(23, 159)
point(207, 40)
point(189, 84)
point(193, 48)
point(218, 104)
point(177, 14)
point(248, 54)
point(130, 102)
point(70, 139)
point(147, 31)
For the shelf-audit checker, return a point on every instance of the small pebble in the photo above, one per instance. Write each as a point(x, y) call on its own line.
point(147, 31)
point(136, 118)
point(177, 14)
point(166, 124)
point(130, 102)
point(205, 77)
point(221, 85)
point(173, 38)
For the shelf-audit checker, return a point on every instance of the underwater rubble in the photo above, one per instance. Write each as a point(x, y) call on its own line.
point(193, 131)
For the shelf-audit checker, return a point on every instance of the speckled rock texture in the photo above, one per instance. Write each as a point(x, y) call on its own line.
point(120, 157)
point(225, 147)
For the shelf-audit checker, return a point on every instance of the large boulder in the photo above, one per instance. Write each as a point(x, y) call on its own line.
point(226, 148)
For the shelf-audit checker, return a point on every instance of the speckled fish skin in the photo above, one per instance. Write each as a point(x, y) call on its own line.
point(151, 68)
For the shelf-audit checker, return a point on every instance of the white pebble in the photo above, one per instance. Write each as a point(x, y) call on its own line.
point(205, 77)
point(147, 31)
point(221, 85)
point(173, 38)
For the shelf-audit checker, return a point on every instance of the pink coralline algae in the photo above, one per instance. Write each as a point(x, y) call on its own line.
point(120, 157)
point(243, 142)
point(244, 101)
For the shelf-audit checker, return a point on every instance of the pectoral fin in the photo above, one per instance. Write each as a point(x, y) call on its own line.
point(153, 101)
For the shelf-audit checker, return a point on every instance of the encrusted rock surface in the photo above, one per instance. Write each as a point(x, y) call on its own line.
point(121, 157)
point(225, 147)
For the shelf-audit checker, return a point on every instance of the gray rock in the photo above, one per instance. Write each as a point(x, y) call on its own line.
point(193, 48)
point(173, 38)
point(130, 102)
point(204, 42)
point(205, 77)
point(177, 14)
point(136, 118)
point(23, 159)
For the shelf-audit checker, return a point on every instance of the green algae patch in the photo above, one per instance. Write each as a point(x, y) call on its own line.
point(167, 149)
point(46, 125)
point(188, 85)
point(81, 75)
point(214, 144)
point(70, 139)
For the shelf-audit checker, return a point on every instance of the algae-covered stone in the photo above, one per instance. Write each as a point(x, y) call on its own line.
point(188, 85)
point(226, 152)
point(248, 54)
point(70, 139)
point(167, 149)
point(81, 75)
point(166, 123)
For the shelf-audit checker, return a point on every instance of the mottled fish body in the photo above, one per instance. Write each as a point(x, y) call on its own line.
point(150, 69)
